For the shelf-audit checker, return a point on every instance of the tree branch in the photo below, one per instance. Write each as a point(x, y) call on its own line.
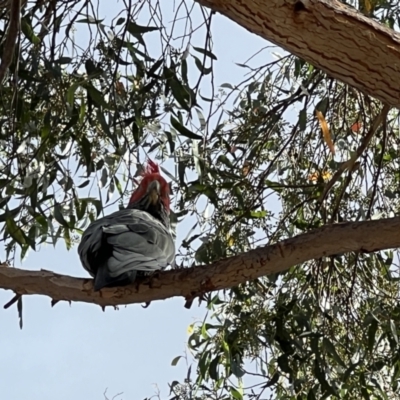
point(335, 38)
point(345, 237)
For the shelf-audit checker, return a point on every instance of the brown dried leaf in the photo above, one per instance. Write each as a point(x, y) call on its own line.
point(356, 127)
point(326, 175)
point(325, 131)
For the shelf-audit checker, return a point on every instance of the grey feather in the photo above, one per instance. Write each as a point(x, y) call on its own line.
point(114, 248)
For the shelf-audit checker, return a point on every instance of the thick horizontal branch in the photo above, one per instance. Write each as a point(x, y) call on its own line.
point(333, 239)
point(332, 36)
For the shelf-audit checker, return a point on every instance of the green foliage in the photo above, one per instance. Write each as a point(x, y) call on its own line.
point(251, 166)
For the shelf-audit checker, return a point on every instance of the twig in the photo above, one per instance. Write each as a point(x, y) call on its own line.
point(349, 164)
point(378, 171)
point(346, 184)
point(12, 301)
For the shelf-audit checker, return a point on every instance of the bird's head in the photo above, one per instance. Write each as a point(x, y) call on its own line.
point(152, 194)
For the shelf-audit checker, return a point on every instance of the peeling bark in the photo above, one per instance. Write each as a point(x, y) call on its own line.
point(335, 38)
point(333, 239)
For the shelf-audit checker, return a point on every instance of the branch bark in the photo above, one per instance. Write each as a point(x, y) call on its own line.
point(335, 38)
point(333, 239)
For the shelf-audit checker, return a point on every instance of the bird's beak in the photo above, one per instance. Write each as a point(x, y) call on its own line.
point(153, 192)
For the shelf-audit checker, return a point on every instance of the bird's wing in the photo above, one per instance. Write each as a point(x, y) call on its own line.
point(129, 239)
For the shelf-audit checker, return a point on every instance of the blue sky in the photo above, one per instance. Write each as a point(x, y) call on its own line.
point(78, 351)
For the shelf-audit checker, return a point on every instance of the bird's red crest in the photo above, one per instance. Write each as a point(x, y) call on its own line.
point(151, 168)
point(150, 173)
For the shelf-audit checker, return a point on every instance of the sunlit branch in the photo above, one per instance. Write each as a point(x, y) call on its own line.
point(302, 28)
point(367, 236)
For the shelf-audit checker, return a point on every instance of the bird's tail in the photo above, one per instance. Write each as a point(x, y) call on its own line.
point(104, 279)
